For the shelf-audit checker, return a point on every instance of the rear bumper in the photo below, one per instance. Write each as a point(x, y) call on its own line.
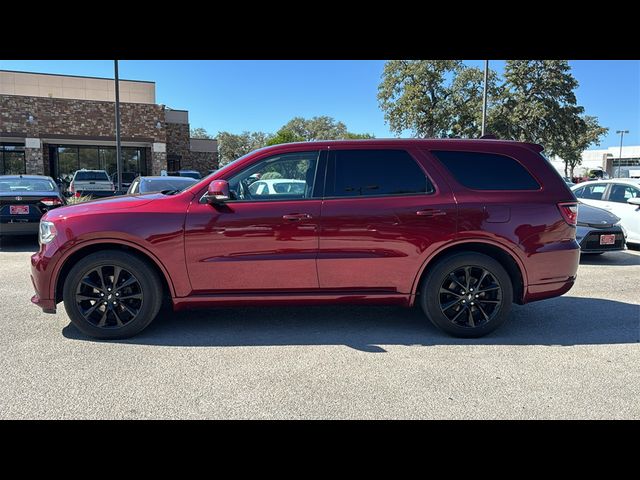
point(20, 228)
point(97, 193)
point(548, 290)
point(551, 270)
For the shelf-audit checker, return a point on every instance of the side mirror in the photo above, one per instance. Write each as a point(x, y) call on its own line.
point(634, 201)
point(217, 192)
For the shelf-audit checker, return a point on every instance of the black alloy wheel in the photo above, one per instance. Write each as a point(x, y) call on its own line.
point(109, 296)
point(470, 296)
point(112, 294)
point(466, 294)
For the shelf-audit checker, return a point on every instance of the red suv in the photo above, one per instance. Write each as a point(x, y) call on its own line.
point(462, 227)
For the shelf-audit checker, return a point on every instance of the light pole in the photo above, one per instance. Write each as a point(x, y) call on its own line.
point(621, 132)
point(484, 96)
point(118, 153)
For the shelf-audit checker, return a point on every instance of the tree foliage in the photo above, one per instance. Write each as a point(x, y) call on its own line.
point(199, 132)
point(232, 146)
point(534, 103)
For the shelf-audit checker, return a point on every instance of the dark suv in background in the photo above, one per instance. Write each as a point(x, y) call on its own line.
point(463, 228)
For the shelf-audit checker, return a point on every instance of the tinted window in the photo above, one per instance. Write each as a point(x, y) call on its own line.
point(354, 173)
point(591, 192)
point(487, 171)
point(91, 177)
point(622, 193)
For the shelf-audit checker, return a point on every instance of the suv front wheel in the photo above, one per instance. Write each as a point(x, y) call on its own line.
point(467, 294)
point(112, 294)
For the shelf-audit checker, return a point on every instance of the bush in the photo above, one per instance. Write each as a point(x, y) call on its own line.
point(81, 199)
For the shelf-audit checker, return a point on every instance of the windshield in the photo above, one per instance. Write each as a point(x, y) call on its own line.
point(161, 184)
point(91, 177)
point(27, 185)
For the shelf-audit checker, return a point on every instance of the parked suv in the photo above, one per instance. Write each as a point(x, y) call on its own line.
point(463, 228)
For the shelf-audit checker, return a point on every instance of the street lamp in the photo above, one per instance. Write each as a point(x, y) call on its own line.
point(621, 132)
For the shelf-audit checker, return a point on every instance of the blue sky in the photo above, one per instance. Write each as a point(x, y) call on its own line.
point(263, 95)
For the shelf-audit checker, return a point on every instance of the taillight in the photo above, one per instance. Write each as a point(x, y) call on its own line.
point(72, 188)
point(113, 187)
point(569, 212)
point(77, 194)
point(51, 202)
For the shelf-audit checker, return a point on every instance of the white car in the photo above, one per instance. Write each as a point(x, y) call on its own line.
point(278, 186)
point(621, 196)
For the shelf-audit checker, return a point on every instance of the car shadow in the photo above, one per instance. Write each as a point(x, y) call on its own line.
point(19, 243)
point(561, 321)
point(622, 258)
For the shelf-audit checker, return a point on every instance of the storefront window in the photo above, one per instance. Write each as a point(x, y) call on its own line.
point(88, 158)
point(12, 161)
point(72, 158)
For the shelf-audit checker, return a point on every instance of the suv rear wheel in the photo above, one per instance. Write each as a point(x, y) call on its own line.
point(112, 294)
point(467, 294)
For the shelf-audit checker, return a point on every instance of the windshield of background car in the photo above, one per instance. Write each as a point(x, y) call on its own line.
point(159, 185)
point(27, 185)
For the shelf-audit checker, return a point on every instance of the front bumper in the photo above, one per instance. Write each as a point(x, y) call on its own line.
point(589, 239)
point(41, 273)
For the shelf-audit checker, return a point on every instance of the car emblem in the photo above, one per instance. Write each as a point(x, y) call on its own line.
point(18, 198)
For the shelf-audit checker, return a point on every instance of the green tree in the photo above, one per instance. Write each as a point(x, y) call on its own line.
point(585, 131)
point(359, 136)
point(232, 146)
point(199, 132)
point(316, 128)
point(414, 95)
point(284, 136)
point(272, 174)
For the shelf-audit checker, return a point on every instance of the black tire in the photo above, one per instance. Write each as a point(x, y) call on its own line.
point(143, 295)
point(489, 307)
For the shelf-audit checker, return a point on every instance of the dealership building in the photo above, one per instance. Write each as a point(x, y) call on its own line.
point(56, 124)
point(609, 160)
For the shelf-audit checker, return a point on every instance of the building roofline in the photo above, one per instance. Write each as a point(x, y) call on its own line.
point(74, 76)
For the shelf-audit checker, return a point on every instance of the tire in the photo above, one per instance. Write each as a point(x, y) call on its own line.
point(138, 291)
point(495, 303)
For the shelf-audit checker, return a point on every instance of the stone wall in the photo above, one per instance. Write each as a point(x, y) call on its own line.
point(78, 118)
point(178, 140)
point(202, 162)
point(33, 160)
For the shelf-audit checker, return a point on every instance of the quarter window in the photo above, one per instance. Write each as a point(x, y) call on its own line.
point(487, 171)
point(356, 173)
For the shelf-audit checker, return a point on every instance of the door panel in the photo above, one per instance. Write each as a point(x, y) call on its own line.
point(251, 246)
point(377, 242)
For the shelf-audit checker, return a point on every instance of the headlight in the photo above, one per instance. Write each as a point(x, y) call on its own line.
point(47, 232)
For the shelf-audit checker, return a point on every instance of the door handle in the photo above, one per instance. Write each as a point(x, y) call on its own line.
point(296, 217)
point(431, 212)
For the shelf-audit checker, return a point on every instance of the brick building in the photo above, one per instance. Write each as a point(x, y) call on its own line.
point(55, 124)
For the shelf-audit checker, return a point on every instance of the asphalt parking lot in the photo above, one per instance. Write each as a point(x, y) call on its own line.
point(576, 356)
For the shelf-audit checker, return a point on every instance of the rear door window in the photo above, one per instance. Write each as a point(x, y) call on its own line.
point(487, 171)
point(591, 192)
point(357, 173)
point(622, 193)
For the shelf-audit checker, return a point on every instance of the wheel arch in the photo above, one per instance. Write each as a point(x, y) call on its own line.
point(508, 259)
point(86, 248)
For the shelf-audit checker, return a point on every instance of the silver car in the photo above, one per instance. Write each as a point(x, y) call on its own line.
point(599, 231)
